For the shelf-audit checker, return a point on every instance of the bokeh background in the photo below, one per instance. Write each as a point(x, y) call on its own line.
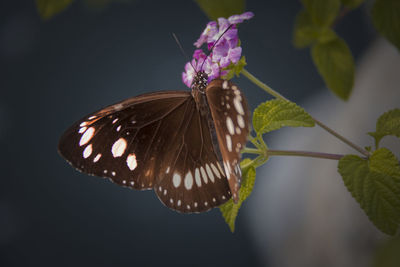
point(89, 56)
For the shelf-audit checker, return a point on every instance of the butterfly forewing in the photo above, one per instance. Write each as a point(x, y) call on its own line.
point(230, 113)
point(123, 141)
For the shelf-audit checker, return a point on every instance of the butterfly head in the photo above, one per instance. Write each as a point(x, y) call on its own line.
point(200, 82)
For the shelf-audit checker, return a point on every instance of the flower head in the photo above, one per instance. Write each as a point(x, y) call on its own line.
point(224, 52)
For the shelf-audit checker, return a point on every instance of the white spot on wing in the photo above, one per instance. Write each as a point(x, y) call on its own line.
point(87, 136)
point(179, 203)
point(240, 121)
point(220, 169)
point(118, 107)
point(87, 151)
point(83, 129)
point(225, 85)
point(197, 177)
point(230, 126)
point(115, 120)
point(209, 172)
point(238, 131)
point(96, 159)
point(119, 147)
point(176, 179)
point(238, 105)
point(118, 128)
point(91, 118)
point(131, 161)
point(229, 142)
point(203, 173)
point(189, 180)
point(215, 170)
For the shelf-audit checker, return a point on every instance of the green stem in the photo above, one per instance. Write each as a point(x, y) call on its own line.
point(342, 138)
point(304, 154)
point(248, 150)
point(272, 92)
point(257, 162)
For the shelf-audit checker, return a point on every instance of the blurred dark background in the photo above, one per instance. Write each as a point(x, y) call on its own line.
point(54, 72)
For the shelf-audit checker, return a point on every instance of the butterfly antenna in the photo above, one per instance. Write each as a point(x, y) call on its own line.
point(212, 47)
point(183, 51)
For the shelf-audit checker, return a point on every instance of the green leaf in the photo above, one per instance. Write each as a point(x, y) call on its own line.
point(335, 64)
point(306, 32)
point(49, 8)
point(388, 255)
point(323, 13)
point(230, 210)
point(387, 124)
point(277, 113)
point(375, 184)
point(352, 4)
point(235, 69)
point(215, 9)
point(386, 19)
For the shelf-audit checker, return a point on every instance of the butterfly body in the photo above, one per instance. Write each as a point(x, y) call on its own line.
point(184, 145)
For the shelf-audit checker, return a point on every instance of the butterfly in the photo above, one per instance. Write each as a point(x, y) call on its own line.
point(185, 145)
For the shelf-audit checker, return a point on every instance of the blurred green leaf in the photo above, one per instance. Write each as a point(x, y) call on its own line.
point(335, 64)
point(388, 124)
point(306, 32)
point(375, 184)
point(386, 19)
point(388, 254)
point(49, 8)
point(352, 4)
point(230, 210)
point(277, 113)
point(215, 9)
point(323, 13)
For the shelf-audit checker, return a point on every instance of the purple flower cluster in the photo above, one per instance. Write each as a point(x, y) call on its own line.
point(225, 52)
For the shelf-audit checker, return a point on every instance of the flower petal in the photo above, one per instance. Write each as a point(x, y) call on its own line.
point(235, 54)
point(235, 19)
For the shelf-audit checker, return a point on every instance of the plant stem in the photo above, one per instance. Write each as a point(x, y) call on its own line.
point(300, 153)
point(248, 150)
point(340, 137)
point(257, 162)
point(272, 92)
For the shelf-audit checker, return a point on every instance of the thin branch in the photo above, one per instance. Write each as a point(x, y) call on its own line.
point(272, 92)
point(300, 153)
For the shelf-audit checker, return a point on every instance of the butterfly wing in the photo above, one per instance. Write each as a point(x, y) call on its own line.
point(155, 140)
point(123, 141)
point(230, 113)
point(191, 178)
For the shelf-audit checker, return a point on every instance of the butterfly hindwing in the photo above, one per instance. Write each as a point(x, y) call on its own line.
point(191, 178)
point(230, 113)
